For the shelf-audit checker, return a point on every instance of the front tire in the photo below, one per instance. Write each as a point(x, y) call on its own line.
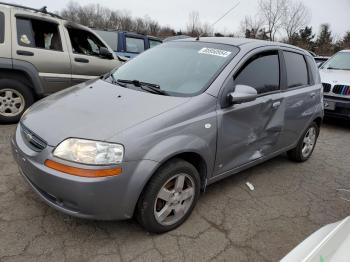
point(169, 197)
point(306, 144)
point(15, 98)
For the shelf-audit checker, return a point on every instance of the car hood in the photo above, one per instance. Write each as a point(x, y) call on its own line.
point(341, 77)
point(94, 110)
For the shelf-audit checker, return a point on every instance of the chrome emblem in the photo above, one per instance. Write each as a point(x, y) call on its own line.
point(29, 137)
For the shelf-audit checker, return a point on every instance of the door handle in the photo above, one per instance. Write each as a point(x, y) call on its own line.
point(313, 94)
point(276, 104)
point(25, 53)
point(81, 60)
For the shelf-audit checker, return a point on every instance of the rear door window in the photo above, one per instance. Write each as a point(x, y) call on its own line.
point(297, 74)
point(261, 72)
point(135, 45)
point(2, 27)
point(38, 34)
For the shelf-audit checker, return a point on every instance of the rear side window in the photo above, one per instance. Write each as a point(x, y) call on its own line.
point(2, 27)
point(153, 43)
point(261, 72)
point(297, 74)
point(111, 38)
point(135, 45)
point(314, 70)
point(38, 34)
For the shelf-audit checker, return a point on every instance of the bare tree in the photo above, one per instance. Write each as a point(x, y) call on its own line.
point(153, 26)
point(250, 27)
point(206, 30)
point(140, 26)
point(126, 21)
point(272, 12)
point(71, 12)
point(194, 24)
point(297, 16)
point(166, 31)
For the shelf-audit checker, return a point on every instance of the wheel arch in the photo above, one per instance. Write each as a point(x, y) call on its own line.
point(318, 121)
point(20, 76)
point(192, 157)
point(32, 74)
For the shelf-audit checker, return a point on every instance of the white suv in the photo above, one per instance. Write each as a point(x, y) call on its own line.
point(335, 76)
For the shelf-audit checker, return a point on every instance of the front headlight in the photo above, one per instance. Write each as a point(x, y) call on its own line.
point(89, 152)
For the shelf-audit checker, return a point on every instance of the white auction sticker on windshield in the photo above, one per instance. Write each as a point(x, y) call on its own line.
point(213, 51)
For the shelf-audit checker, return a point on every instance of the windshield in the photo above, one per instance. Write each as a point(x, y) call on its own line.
point(179, 68)
point(341, 61)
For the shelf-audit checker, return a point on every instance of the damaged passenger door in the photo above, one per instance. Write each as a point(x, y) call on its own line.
point(249, 131)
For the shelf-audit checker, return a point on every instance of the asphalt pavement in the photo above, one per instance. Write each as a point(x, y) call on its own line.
point(230, 222)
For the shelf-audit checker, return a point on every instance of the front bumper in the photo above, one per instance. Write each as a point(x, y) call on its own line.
point(340, 107)
point(107, 198)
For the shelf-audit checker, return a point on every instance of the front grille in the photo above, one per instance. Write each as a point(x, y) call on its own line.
point(33, 140)
point(326, 87)
point(341, 90)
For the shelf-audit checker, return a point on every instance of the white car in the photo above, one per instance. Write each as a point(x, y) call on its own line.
point(329, 244)
point(335, 77)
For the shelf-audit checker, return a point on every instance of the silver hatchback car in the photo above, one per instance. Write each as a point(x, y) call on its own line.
point(146, 138)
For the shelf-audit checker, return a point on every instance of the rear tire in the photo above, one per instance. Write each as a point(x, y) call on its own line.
point(15, 98)
point(306, 144)
point(169, 197)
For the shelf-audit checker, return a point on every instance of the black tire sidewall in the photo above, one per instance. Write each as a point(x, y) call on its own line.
point(25, 91)
point(145, 210)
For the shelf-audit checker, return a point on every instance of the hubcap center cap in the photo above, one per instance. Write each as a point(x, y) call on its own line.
point(176, 198)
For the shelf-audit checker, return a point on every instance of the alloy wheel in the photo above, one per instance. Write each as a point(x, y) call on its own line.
point(12, 102)
point(174, 199)
point(309, 142)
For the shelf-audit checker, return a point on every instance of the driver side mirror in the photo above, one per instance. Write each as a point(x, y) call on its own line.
point(242, 94)
point(104, 53)
point(123, 59)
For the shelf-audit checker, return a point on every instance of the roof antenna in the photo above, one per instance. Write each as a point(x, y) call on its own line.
point(232, 8)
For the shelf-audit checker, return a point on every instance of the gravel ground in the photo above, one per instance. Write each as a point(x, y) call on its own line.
point(230, 222)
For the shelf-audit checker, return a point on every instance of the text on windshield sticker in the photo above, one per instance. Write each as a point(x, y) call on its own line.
point(213, 51)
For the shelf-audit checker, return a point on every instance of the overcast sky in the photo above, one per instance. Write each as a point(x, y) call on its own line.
point(175, 13)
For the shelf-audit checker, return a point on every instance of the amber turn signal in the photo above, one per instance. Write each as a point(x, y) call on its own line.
point(82, 171)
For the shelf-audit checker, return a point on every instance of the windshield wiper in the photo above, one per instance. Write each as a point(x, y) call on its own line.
point(336, 68)
point(144, 86)
point(110, 75)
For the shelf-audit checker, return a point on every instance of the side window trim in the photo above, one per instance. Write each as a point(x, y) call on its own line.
point(32, 17)
point(283, 72)
point(311, 79)
point(3, 27)
point(246, 59)
point(307, 67)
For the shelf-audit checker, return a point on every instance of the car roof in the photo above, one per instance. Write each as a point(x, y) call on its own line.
point(253, 43)
point(345, 50)
point(41, 12)
point(127, 32)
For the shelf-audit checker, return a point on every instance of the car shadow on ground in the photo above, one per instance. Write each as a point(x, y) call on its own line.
point(337, 122)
